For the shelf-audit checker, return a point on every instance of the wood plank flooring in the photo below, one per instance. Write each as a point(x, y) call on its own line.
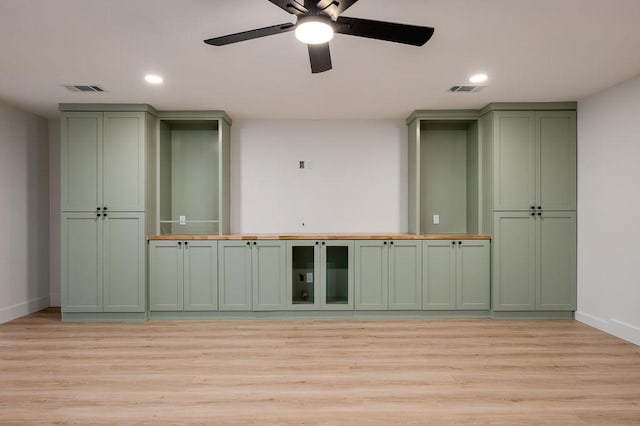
point(352, 372)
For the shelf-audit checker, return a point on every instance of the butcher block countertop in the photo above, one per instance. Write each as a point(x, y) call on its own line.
point(362, 236)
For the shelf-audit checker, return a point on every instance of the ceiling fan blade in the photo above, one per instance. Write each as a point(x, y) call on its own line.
point(388, 31)
point(320, 57)
point(292, 6)
point(251, 34)
point(334, 8)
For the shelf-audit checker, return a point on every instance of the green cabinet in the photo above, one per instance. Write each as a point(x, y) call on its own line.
point(103, 262)
point(534, 160)
point(103, 161)
point(388, 274)
point(534, 262)
point(183, 275)
point(456, 275)
point(319, 275)
point(251, 275)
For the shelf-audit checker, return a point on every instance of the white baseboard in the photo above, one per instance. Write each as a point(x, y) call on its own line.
point(618, 328)
point(25, 308)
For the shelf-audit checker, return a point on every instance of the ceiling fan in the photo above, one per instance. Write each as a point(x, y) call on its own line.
point(318, 20)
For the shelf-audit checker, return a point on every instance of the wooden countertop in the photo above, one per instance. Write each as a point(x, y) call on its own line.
point(323, 237)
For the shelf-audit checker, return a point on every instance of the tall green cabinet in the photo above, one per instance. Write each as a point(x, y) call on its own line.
point(529, 198)
point(104, 153)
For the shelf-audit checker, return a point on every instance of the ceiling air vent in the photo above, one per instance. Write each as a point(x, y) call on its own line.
point(84, 88)
point(465, 88)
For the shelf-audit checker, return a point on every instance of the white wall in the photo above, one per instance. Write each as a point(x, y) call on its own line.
point(357, 183)
point(24, 213)
point(609, 210)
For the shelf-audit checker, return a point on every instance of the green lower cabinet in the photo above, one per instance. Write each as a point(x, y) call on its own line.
point(183, 276)
point(251, 275)
point(456, 275)
point(268, 260)
point(534, 261)
point(320, 275)
point(388, 274)
point(103, 262)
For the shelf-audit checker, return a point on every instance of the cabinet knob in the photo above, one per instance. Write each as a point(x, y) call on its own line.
point(179, 243)
point(98, 208)
point(186, 243)
point(323, 243)
point(317, 243)
point(98, 215)
point(254, 243)
point(391, 243)
point(104, 208)
point(533, 207)
point(539, 207)
point(248, 243)
point(454, 243)
point(539, 213)
point(104, 214)
point(385, 243)
point(533, 214)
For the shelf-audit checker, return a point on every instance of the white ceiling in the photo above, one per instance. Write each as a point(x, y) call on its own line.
point(533, 50)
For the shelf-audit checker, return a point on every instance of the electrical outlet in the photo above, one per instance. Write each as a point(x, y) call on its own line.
point(183, 220)
point(436, 219)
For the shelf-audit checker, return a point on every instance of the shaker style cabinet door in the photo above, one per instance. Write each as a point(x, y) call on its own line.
point(405, 274)
point(371, 275)
point(234, 276)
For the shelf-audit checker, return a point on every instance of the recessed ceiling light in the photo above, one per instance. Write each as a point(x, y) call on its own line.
point(153, 79)
point(478, 78)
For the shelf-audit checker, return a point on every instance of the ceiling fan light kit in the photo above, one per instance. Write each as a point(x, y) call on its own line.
point(314, 29)
point(316, 23)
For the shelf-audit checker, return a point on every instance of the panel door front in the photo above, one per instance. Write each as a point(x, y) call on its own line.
point(438, 275)
point(514, 160)
point(514, 260)
point(81, 161)
point(81, 259)
point(405, 274)
point(473, 275)
point(234, 276)
point(123, 161)
point(165, 276)
point(200, 275)
point(371, 275)
point(269, 265)
point(124, 262)
point(556, 280)
point(556, 144)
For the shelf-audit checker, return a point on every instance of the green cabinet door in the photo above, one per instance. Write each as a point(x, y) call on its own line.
point(473, 274)
point(124, 262)
point(165, 276)
point(556, 261)
point(123, 161)
point(405, 274)
point(234, 276)
point(556, 154)
point(438, 275)
point(81, 262)
point(514, 261)
point(514, 160)
point(268, 261)
point(336, 275)
point(200, 260)
point(81, 161)
point(371, 275)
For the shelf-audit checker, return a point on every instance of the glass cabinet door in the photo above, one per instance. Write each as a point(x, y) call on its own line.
point(336, 259)
point(303, 274)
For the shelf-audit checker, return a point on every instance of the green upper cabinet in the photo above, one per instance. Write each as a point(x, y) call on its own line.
point(319, 275)
point(388, 274)
point(103, 161)
point(456, 275)
point(534, 160)
point(534, 261)
point(192, 172)
point(183, 275)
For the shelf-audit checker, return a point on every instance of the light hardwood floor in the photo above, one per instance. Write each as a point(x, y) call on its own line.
point(316, 372)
